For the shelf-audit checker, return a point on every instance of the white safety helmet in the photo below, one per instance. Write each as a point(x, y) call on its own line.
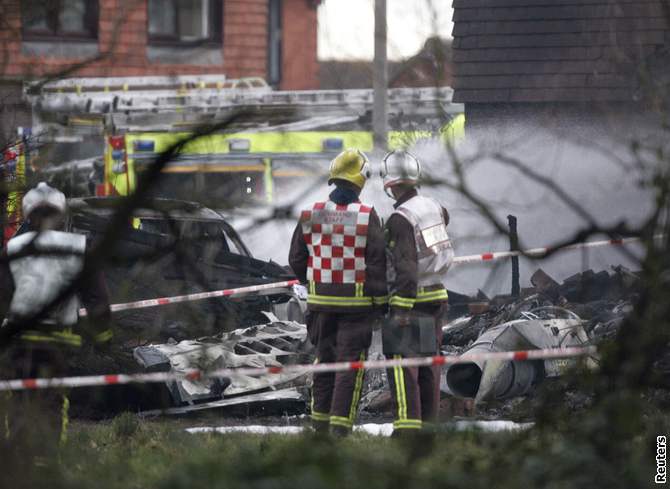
point(400, 168)
point(43, 196)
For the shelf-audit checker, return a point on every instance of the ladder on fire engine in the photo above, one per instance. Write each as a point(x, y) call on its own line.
point(171, 103)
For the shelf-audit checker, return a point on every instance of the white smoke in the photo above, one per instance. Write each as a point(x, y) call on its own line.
point(588, 170)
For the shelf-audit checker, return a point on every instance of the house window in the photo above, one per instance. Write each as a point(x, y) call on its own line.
point(185, 21)
point(274, 42)
point(50, 19)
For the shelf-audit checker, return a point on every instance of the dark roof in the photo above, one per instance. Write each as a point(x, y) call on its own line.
point(336, 74)
point(430, 67)
point(554, 50)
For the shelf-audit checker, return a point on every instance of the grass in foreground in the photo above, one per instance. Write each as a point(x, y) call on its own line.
point(130, 453)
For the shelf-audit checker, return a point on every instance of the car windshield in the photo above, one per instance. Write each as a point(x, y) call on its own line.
point(194, 229)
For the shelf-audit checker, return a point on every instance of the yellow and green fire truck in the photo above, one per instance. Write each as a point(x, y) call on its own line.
point(280, 136)
point(236, 165)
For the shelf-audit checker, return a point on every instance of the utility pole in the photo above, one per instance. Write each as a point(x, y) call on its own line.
point(380, 79)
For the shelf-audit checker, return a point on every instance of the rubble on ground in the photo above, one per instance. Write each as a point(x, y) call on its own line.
point(587, 308)
point(602, 300)
point(272, 344)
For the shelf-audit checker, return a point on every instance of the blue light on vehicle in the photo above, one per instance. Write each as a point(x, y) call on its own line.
point(143, 145)
point(332, 144)
point(117, 154)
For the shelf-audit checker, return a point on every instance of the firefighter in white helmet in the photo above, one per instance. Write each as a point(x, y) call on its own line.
point(338, 251)
point(418, 255)
point(42, 327)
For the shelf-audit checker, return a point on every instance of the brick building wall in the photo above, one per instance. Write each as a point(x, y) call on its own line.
point(122, 47)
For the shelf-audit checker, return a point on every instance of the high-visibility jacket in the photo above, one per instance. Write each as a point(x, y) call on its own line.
point(338, 249)
point(41, 276)
point(42, 266)
point(419, 252)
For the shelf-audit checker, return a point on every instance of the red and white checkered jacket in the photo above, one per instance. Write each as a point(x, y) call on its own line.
point(336, 236)
point(338, 251)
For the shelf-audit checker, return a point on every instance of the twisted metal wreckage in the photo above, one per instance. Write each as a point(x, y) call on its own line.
point(586, 309)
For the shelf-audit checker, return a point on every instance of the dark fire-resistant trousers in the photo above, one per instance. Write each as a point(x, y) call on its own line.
point(30, 360)
point(338, 337)
point(416, 390)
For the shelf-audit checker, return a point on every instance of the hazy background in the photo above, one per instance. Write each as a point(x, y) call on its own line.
point(346, 27)
point(604, 189)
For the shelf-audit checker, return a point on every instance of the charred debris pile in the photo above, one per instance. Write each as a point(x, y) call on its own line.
point(587, 308)
point(601, 300)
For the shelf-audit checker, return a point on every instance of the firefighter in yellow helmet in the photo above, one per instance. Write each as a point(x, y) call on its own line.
point(419, 253)
point(338, 251)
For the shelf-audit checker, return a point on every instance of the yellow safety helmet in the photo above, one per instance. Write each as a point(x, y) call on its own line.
point(351, 165)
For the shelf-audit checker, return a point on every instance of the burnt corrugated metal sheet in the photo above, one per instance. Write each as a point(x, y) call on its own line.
point(554, 50)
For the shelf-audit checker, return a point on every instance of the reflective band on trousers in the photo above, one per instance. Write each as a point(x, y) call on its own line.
point(317, 416)
point(348, 422)
point(358, 389)
point(104, 336)
point(408, 424)
point(402, 421)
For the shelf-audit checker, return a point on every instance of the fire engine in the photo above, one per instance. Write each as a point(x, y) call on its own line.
point(119, 126)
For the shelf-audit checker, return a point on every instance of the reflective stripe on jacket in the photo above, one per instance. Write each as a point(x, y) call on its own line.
point(52, 261)
point(64, 337)
point(31, 282)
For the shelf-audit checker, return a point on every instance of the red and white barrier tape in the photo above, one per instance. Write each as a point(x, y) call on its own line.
point(194, 375)
point(540, 252)
point(162, 301)
point(482, 257)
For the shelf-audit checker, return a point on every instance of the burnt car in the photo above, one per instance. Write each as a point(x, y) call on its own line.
point(173, 247)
